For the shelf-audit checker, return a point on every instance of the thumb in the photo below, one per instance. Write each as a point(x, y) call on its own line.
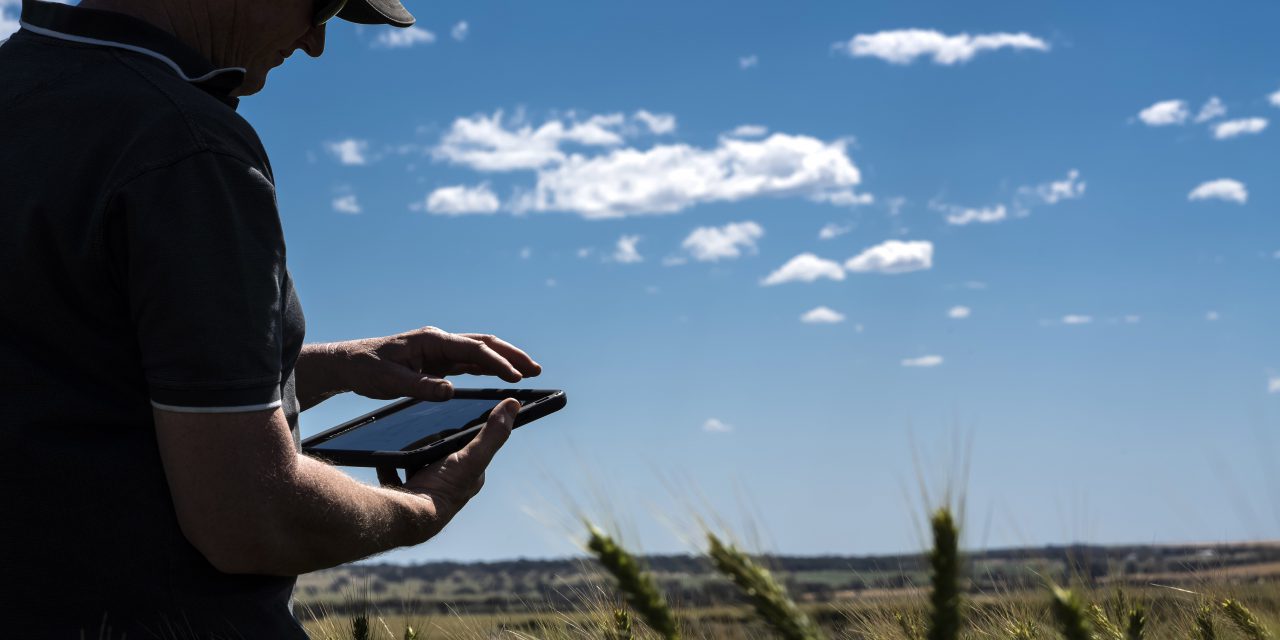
point(405, 382)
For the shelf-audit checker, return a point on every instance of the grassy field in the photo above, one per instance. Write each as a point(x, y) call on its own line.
point(1233, 592)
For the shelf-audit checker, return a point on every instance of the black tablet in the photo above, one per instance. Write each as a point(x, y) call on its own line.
point(411, 434)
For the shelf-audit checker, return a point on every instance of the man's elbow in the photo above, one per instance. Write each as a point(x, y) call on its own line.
point(241, 548)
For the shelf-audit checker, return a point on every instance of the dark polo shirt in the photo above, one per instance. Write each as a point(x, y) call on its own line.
point(142, 266)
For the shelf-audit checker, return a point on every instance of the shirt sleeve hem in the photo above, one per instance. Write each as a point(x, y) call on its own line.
point(239, 409)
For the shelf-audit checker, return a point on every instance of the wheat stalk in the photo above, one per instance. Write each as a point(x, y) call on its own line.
point(1024, 630)
point(1245, 621)
point(1137, 627)
point(1105, 628)
point(944, 559)
point(1069, 612)
point(766, 595)
point(636, 585)
point(910, 628)
point(621, 624)
point(1203, 629)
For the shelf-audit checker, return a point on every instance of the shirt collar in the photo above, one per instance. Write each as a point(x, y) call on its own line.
point(119, 31)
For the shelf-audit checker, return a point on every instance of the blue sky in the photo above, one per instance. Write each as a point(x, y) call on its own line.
point(1028, 242)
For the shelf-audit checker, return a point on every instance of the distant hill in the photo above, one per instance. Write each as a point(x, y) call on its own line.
point(533, 585)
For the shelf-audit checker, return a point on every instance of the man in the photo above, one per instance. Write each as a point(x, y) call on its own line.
point(151, 357)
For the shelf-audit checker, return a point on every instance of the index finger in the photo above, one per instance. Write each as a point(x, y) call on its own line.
point(459, 349)
point(516, 356)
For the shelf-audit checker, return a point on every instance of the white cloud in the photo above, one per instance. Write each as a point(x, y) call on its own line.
point(1274, 99)
point(974, 284)
point(903, 46)
point(1132, 319)
point(844, 198)
point(805, 267)
point(1212, 316)
point(400, 38)
point(1070, 188)
point(749, 131)
point(893, 257)
point(986, 215)
point(485, 143)
point(350, 152)
point(626, 250)
point(710, 244)
point(526, 253)
point(1077, 319)
point(460, 31)
point(747, 62)
point(346, 204)
point(714, 425)
point(959, 313)
point(1243, 126)
point(822, 315)
point(1211, 109)
point(833, 230)
point(658, 123)
point(922, 361)
point(1165, 113)
point(1221, 189)
point(670, 178)
point(460, 200)
point(1273, 384)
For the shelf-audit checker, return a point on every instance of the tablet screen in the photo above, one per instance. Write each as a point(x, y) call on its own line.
point(413, 425)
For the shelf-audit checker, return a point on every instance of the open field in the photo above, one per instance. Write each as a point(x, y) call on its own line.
point(1002, 594)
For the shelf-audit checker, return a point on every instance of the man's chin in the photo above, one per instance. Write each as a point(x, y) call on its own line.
point(253, 83)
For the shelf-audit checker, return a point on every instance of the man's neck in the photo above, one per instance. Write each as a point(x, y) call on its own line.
point(192, 22)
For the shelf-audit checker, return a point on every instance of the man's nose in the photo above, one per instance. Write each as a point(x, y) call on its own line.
point(313, 41)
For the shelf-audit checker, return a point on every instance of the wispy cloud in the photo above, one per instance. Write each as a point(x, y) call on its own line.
point(711, 244)
point(402, 38)
point(822, 315)
point(1211, 109)
point(347, 204)
point(658, 123)
point(959, 312)
point(893, 257)
point(749, 131)
point(961, 216)
point(460, 31)
point(1273, 384)
point(805, 267)
point(1274, 99)
point(903, 46)
point(715, 425)
point(1240, 127)
point(832, 230)
point(350, 152)
point(626, 252)
point(747, 62)
point(1162, 114)
point(1077, 319)
point(1070, 188)
point(923, 361)
point(461, 199)
point(1221, 189)
point(486, 143)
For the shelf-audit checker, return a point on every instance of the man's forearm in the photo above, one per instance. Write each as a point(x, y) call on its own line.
point(316, 374)
point(324, 518)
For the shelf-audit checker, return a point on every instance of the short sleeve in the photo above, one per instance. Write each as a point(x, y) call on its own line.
point(205, 273)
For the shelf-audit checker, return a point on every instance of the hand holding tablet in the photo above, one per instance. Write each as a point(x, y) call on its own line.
point(411, 434)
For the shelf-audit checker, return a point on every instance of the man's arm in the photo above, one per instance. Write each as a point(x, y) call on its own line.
point(251, 504)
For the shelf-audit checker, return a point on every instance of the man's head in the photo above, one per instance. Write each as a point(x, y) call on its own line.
point(255, 34)
point(274, 29)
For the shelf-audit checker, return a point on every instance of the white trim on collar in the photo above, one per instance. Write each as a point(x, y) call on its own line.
point(127, 47)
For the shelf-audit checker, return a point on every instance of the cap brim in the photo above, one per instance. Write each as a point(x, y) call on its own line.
point(377, 12)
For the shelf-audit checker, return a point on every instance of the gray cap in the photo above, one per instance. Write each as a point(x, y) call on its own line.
point(377, 12)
